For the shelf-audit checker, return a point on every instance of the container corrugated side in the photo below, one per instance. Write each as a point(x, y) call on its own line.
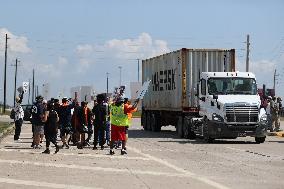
point(175, 76)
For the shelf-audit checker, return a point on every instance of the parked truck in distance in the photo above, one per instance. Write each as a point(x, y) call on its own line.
point(199, 92)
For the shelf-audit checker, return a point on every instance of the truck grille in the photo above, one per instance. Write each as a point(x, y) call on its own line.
point(242, 113)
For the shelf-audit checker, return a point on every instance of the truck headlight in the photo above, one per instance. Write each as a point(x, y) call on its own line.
point(263, 118)
point(216, 117)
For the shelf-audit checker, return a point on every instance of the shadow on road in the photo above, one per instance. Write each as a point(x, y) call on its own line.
point(172, 135)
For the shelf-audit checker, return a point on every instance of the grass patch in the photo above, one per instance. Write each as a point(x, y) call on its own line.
point(136, 114)
point(3, 126)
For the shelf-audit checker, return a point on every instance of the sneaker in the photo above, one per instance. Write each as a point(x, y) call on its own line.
point(102, 147)
point(47, 151)
point(18, 140)
point(95, 148)
point(36, 147)
point(56, 149)
point(123, 152)
point(111, 152)
point(66, 146)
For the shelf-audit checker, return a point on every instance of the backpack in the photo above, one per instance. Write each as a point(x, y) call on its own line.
point(12, 114)
point(52, 118)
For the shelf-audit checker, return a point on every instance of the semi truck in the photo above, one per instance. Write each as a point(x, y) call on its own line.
point(200, 93)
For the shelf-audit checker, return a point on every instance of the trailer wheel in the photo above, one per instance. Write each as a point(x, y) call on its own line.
point(144, 120)
point(155, 123)
point(180, 127)
point(259, 140)
point(206, 136)
point(148, 121)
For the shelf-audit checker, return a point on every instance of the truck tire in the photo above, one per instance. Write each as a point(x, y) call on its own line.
point(155, 123)
point(144, 121)
point(179, 127)
point(186, 128)
point(148, 121)
point(259, 140)
point(206, 136)
point(188, 123)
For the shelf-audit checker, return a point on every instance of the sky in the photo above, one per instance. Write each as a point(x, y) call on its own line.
point(71, 43)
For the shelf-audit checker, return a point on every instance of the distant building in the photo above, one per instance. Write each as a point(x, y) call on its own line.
point(46, 91)
point(134, 88)
point(84, 93)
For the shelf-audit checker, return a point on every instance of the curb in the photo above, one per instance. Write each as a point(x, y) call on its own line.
point(279, 134)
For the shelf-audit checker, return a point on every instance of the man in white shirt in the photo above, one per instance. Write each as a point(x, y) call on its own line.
point(19, 115)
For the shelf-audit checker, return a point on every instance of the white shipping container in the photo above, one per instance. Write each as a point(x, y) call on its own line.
point(174, 76)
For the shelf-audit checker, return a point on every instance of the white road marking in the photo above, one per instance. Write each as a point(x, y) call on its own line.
point(112, 170)
point(181, 170)
point(41, 184)
point(32, 151)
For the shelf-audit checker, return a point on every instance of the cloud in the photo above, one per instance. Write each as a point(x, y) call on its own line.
point(16, 44)
point(144, 46)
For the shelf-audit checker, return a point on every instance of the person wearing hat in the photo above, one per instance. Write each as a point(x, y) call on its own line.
point(19, 116)
point(37, 121)
point(279, 105)
point(268, 113)
point(100, 115)
point(119, 122)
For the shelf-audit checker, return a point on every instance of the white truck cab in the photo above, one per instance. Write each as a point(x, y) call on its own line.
point(229, 106)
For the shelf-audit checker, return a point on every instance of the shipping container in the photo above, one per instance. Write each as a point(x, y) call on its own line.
point(174, 76)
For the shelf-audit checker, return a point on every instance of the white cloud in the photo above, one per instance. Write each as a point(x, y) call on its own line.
point(82, 50)
point(141, 47)
point(16, 44)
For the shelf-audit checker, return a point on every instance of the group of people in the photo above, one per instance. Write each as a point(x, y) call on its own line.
point(273, 109)
point(107, 122)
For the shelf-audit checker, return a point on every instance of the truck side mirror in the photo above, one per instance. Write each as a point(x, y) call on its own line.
point(215, 96)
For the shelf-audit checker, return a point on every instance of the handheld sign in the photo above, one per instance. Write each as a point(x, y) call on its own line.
point(143, 90)
point(25, 87)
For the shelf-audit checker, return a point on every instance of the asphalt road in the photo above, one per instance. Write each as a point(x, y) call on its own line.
point(154, 160)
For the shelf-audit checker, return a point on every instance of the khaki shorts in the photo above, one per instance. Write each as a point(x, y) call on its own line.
point(39, 129)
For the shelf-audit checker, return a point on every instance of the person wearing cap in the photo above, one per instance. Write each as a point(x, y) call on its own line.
point(279, 105)
point(37, 121)
point(119, 122)
point(268, 113)
point(65, 121)
point(84, 118)
point(50, 129)
point(100, 115)
point(19, 116)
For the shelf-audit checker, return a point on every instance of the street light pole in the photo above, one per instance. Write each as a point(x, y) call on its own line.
point(107, 82)
point(120, 67)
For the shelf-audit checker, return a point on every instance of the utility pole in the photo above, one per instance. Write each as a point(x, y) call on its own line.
point(5, 74)
point(107, 82)
point(247, 56)
point(274, 80)
point(120, 67)
point(16, 72)
point(33, 92)
point(138, 68)
point(29, 91)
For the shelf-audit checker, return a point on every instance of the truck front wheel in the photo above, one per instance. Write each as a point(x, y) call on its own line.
point(259, 140)
point(206, 136)
point(180, 127)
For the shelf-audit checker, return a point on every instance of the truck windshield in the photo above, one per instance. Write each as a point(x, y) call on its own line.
point(223, 86)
